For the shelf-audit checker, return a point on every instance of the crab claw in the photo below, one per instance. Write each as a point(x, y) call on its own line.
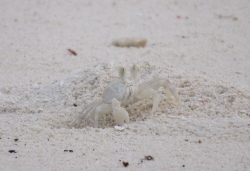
point(120, 114)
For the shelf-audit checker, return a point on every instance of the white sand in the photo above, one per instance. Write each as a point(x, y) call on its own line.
point(201, 47)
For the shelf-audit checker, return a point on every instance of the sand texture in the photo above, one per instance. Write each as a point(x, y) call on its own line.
point(58, 56)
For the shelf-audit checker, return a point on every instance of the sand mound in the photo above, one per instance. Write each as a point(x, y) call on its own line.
point(57, 104)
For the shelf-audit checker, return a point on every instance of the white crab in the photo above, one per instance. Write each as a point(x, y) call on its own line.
point(124, 91)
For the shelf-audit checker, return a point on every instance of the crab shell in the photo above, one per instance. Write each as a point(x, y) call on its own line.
point(125, 92)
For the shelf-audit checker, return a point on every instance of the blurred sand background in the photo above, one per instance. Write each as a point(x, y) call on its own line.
point(202, 47)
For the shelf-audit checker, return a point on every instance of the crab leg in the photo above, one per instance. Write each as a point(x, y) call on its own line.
point(90, 112)
point(155, 84)
point(96, 110)
point(89, 107)
point(101, 110)
point(147, 93)
point(156, 101)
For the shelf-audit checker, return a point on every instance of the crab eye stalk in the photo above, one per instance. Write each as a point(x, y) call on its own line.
point(122, 74)
point(134, 71)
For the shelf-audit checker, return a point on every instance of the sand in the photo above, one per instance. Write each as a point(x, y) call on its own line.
point(201, 47)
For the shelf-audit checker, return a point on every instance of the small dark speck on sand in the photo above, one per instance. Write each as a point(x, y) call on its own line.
point(149, 158)
point(125, 164)
point(72, 52)
point(12, 151)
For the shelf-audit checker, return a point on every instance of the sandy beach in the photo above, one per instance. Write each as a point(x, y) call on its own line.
point(201, 47)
